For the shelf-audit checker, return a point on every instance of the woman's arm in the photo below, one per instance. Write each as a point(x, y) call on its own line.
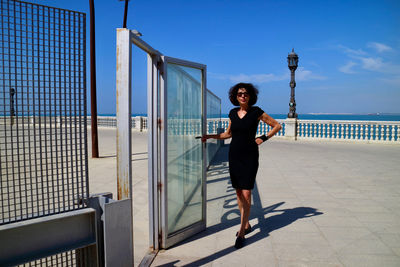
point(225, 135)
point(276, 127)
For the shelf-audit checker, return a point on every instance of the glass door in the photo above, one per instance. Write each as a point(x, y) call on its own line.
point(182, 154)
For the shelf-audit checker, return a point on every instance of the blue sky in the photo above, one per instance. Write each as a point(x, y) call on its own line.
point(349, 50)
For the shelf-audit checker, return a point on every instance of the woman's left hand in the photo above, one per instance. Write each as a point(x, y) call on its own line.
point(259, 141)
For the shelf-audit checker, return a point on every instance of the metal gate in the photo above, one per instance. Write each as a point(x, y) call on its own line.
point(43, 145)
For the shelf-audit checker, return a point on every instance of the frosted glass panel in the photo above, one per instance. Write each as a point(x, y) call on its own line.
point(184, 152)
point(213, 123)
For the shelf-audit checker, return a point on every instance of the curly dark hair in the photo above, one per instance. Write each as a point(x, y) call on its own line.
point(251, 90)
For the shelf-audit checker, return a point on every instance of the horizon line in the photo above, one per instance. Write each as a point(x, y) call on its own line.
point(308, 113)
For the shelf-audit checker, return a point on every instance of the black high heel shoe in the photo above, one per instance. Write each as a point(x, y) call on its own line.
point(246, 231)
point(240, 242)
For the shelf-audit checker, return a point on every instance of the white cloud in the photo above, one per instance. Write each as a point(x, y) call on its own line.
point(379, 47)
point(301, 75)
point(371, 63)
point(368, 61)
point(358, 52)
point(306, 75)
point(377, 64)
point(348, 67)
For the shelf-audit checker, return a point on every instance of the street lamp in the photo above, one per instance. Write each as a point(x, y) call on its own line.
point(293, 60)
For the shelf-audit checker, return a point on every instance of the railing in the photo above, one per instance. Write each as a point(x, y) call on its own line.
point(138, 122)
point(263, 128)
point(371, 131)
point(364, 131)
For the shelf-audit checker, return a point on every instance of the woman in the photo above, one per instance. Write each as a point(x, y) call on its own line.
point(243, 150)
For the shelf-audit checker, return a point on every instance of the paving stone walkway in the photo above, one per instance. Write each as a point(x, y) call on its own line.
point(314, 204)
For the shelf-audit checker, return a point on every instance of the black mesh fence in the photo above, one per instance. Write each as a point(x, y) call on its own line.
point(43, 143)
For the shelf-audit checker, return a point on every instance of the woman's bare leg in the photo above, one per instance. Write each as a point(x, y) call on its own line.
point(244, 203)
point(239, 200)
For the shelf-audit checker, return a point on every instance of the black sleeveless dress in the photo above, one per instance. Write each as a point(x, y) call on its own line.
point(243, 150)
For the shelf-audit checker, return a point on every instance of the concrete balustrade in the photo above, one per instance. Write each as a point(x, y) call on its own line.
point(370, 131)
point(354, 131)
point(359, 131)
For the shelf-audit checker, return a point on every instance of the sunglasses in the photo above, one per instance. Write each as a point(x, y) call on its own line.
point(240, 94)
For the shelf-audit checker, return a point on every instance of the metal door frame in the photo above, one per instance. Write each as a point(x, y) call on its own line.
point(166, 239)
point(155, 90)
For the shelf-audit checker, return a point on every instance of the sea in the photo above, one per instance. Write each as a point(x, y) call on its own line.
point(320, 116)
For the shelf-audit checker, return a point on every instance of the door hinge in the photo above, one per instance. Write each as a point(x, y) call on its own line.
point(159, 123)
point(160, 67)
point(159, 186)
point(159, 240)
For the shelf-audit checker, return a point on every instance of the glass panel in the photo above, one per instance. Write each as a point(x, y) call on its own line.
point(213, 123)
point(184, 152)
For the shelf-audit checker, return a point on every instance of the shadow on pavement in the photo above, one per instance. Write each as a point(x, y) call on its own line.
point(265, 225)
point(133, 154)
point(169, 264)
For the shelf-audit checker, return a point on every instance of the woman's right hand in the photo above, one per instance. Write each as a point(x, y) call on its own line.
point(259, 141)
point(204, 138)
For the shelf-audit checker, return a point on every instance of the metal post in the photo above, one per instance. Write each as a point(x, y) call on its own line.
point(125, 13)
point(93, 102)
point(292, 104)
point(152, 118)
point(124, 122)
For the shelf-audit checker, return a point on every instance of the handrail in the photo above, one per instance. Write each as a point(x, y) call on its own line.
point(342, 130)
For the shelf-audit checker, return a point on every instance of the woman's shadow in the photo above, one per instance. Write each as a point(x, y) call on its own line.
point(231, 217)
point(264, 225)
point(285, 218)
point(267, 225)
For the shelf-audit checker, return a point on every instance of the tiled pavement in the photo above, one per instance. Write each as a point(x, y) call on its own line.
point(314, 204)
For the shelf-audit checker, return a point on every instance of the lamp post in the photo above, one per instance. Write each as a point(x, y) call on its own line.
point(125, 13)
point(293, 60)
